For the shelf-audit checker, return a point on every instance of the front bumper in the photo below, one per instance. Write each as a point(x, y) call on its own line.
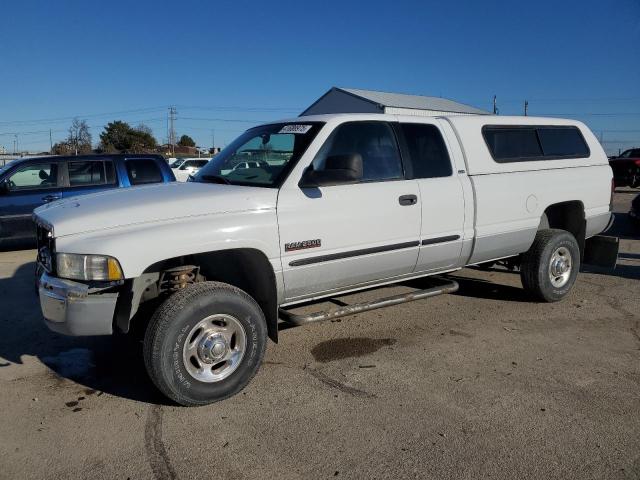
point(70, 309)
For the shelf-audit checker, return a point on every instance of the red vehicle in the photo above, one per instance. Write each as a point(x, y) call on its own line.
point(626, 168)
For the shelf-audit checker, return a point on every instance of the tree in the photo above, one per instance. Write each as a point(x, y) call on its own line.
point(186, 141)
point(142, 139)
point(118, 136)
point(77, 142)
point(61, 148)
point(79, 136)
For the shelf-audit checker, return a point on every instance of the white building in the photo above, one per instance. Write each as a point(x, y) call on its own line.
point(351, 100)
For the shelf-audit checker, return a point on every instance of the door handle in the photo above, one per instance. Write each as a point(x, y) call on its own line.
point(408, 200)
point(51, 198)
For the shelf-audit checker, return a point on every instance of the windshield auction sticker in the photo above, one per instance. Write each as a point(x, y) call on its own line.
point(295, 129)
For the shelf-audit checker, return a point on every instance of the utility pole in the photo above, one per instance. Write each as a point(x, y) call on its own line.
point(172, 131)
point(213, 140)
point(15, 144)
point(495, 106)
point(50, 143)
point(526, 107)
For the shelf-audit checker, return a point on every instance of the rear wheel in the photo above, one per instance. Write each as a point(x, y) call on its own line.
point(205, 343)
point(550, 267)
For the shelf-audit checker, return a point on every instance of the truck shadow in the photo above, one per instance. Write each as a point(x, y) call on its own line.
point(622, 270)
point(113, 365)
point(624, 228)
point(478, 288)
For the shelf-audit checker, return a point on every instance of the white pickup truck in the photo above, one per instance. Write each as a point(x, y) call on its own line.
point(330, 204)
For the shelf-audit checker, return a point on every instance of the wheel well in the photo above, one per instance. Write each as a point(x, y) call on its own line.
point(245, 268)
point(567, 216)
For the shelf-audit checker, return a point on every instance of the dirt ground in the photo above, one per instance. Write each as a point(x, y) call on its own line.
point(480, 384)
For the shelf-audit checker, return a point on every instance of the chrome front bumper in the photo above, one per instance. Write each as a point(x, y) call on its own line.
point(70, 309)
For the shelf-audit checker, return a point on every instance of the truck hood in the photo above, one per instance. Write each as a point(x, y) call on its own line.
point(153, 203)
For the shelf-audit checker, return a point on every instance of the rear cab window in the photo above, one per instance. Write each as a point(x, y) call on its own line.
point(522, 143)
point(142, 171)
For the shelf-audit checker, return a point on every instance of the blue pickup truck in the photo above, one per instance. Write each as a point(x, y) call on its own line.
point(28, 183)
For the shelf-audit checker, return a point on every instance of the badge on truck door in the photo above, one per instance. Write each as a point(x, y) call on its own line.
point(304, 244)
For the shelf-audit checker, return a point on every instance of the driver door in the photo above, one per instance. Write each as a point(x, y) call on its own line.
point(30, 186)
point(341, 236)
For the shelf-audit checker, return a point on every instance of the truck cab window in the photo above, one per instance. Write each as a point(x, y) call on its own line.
point(374, 141)
point(428, 152)
point(34, 177)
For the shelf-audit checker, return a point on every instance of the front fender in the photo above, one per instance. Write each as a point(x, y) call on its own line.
point(138, 246)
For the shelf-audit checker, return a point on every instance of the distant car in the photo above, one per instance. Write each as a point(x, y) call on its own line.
point(251, 164)
point(28, 183)
point(634, 212)
point(175, 162)
point(190, 166)
point(626, 168)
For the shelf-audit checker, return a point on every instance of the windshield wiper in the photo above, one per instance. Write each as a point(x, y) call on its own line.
point(215, 179)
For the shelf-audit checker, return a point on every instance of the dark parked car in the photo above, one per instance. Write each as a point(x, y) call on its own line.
point(626, 168)
point(28, 183)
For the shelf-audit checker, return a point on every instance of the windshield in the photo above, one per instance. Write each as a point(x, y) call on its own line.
point(177, 163)
point(261, 156)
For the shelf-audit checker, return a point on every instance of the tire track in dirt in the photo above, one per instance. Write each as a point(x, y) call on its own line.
point(154, 446)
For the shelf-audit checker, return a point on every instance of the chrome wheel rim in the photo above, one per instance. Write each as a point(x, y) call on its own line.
point(560, 267)
point(214, 348)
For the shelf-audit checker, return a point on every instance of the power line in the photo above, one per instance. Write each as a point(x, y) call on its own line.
point(240, 109)
point(94, 115)
point(230, 120)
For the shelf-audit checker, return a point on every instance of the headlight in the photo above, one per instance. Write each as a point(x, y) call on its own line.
point(87, 267)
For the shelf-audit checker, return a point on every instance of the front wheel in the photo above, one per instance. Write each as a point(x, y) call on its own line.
point(550, 267)
point(205, 343)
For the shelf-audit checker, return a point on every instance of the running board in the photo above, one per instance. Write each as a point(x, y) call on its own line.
point(449, 286)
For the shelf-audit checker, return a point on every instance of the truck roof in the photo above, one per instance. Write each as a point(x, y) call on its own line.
point(483, 119)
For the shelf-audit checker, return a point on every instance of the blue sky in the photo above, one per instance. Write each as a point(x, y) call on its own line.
point(229, 64)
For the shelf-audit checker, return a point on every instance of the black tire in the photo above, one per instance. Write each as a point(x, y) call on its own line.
point(174, 319)
point(535, 271)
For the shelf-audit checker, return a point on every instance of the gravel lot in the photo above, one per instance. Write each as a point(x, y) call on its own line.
point(483, 383)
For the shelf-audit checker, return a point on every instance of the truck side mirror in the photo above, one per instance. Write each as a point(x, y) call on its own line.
point(4, 187)
point(338, 170)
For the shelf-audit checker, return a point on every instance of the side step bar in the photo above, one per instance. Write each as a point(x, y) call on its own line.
point(449, 286)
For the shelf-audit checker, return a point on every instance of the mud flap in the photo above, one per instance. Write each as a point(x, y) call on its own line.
point(601, 251)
